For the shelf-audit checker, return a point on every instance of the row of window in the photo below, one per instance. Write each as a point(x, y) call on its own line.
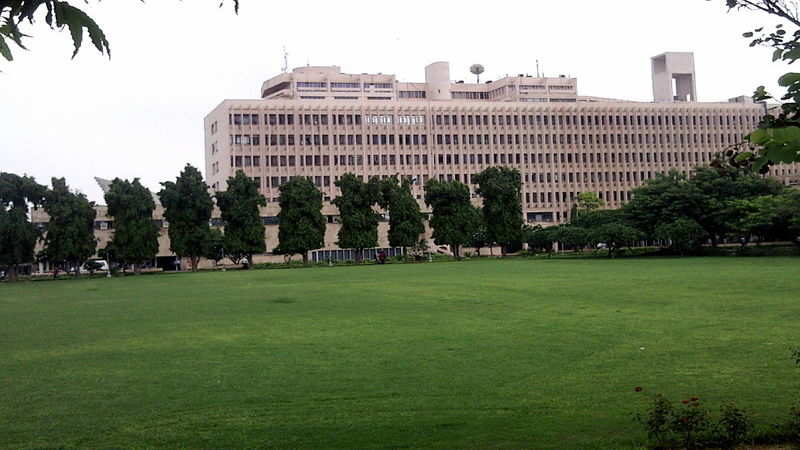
point(471, 159)
point(342, 85)
point(489, 139)
point(562, 120)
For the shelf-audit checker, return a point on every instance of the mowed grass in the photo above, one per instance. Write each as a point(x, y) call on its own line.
point(481, 354)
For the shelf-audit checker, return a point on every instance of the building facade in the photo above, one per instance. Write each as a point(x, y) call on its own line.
point(319, 123)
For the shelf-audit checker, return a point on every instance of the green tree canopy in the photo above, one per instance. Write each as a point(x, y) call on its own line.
point(215, 247)
point(572, 236)
point(57, 14)
point(135, 238)
point(70, 232)
point(616, 236)
point(359, 228)
point(769, 217)
point(541, 239)
point(683, 234)
point(239, 208)
point(454, 219)
point(302, 225)
point(406, 222)
point(17, 234)
point(187, 208)
point(502, 208)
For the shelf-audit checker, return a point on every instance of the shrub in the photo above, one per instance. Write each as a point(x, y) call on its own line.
point(734, 426)
point(793, 424)
point(690, 422)
point(658, 420)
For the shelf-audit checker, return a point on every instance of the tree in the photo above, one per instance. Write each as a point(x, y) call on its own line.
point(359, 228)
point(215, 246)
point(239, 208)
point(480, 237)
point(302, 225)
point(454, 218)
point(405, 218)
point(572, 236)
point(17, 234)
point(768, 217)
point(683, 235)
point(135, 238)
point(615, 236)
point(662, 199)
point(502, 208)
point(716, 188)
point(57, 14)
point(705, 198)
point(589, 201)
point(593, 218)
point(777, 139)
point(187, 209)
point(70, 237)
point(541, 239)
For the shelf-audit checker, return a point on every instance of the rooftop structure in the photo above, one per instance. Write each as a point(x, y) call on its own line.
point(329, 83)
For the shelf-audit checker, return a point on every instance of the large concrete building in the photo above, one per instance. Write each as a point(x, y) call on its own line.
point(320, 123)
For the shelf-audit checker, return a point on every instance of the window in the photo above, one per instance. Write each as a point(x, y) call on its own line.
point(338, 85)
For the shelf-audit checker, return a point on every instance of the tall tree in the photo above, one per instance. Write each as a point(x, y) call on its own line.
point(244, 228)
point(187, 208)
point(301, 223)
point(502, 208)
point(454, 219)
point(70, 237)
point(17, 234)
point(135, 239)
point(406, 222)
point(359, 220)
point(57, 14)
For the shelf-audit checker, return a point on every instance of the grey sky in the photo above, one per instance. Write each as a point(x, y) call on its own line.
point(141, 113)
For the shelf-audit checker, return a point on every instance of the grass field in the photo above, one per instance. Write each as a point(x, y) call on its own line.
point(481, 354)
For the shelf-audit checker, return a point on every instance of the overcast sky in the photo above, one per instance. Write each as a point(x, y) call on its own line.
point(140, 114)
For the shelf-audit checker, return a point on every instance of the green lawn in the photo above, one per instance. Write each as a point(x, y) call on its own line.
point(499, 354)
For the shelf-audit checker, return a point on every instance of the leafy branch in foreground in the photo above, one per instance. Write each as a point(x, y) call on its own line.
point(777, 139)
point(58, 14)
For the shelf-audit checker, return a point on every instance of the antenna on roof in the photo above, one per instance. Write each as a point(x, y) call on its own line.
point(285, 67)
point(477, 70)
point(537, 69)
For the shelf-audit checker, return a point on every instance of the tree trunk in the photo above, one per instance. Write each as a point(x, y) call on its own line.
point(194, 260)
point(502, 250)
point(305, 258)
point(456, 252)
point(77, 271)
point(491, 251)
point(55, 272)
point(137, 269)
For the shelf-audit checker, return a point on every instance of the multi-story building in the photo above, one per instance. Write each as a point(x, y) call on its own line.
point(319, 123)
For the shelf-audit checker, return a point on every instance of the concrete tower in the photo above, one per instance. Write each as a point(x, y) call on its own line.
point(673, 77)
point(437, 77)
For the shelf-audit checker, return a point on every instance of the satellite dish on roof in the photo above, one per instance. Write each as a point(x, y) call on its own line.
point(477, 70)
